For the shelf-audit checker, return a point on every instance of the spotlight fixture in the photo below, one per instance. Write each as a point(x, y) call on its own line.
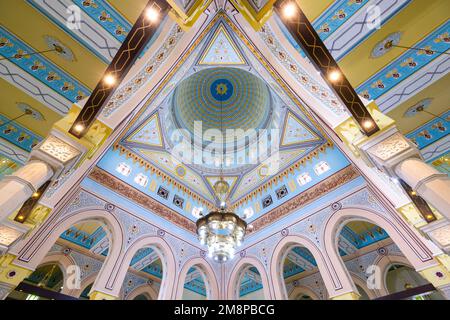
point(109, 80)
point(152, 14)
point(367, 124)
point(289, 9)
point(334, 76)
point(79, 128)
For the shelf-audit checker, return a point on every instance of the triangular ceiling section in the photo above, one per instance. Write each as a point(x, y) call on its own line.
point(296, 132)
point(148, 134)
point(221, 50)
point(164, 161)
point(230, 179)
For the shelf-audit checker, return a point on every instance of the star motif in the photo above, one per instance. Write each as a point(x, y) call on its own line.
point(221, 89)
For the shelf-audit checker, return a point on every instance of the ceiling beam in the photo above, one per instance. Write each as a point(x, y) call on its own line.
point(306, 36)
point(143, 30)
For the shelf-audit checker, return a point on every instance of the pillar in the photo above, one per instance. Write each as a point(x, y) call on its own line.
point(428, 182)
point(17, 188)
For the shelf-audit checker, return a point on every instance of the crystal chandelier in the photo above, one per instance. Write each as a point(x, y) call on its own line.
point(221, 231)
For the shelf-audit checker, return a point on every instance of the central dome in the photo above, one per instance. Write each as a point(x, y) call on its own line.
point(242, 98)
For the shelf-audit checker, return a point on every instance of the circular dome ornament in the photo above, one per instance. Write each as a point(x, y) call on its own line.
point(418, 107)
point(26, 108)
point(228, 98)
point(60, 48)
point(386, 45)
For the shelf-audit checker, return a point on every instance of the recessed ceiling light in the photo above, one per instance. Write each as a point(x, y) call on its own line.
point(289, 9)
point(152, 14)
point(110, 80)
point(334, 76)
point(367, 124)
point(78, 128)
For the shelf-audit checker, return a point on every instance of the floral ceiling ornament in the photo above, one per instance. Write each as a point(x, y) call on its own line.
point(26, 108)
point(418, 107)
point(61, 49)
point(386, 45)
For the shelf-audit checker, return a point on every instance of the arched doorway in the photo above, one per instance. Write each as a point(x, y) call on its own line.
point(151, 253)
point(302, 279)
point(358, 232)
point(249, 281)
point(197, 281)
point(144, 275)
point(195, 286)
point(400, 277)
point(79, 251)
point(142, 296)
point(48, 277)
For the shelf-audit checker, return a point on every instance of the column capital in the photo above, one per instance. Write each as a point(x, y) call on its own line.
point(10, 233)
point(439, 232)
point(58, 151)
point(387, 149)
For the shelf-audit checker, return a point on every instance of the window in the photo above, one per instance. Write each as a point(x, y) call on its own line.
point(124, 169)
point(141, 180)
point(304, 178)
point(321, 168)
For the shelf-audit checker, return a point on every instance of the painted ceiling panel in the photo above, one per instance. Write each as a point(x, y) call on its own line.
point(313, 8)
point(86, 68)
point(11, 110)
point(415, 22)
point(129, 9)
point(436, 98)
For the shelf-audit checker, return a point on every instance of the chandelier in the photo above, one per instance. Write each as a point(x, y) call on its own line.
point(221, 231)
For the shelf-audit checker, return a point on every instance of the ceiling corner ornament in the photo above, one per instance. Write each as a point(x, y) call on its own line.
point(386, 45)
point(418, 107)
point(27, 109)
point(390, 147)
point(58, 149)
point(60, 48)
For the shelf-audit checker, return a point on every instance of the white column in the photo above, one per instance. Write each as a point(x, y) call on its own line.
point(17, 188)
point(429, 183)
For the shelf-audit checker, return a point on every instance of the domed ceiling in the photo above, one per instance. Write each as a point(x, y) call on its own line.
point(228, 98)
